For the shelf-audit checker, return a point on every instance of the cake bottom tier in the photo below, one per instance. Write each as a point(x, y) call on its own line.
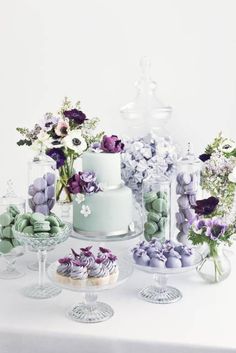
point(111, 212)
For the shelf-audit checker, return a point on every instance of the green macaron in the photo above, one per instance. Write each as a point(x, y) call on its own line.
point(60, 221)
point(162, 223)
point(160, 205)
point(13, 209)
point(21, 224)
point(153, 216)
point(150, 228)
point(55, 230)
point(42, 226)
point(162, 195)
point(5, 246)
point(36, 217)
point(149, 197)
point(53, 221)
point(28, 230)
point(7, 232)
point(6, 219)
point(42, 235)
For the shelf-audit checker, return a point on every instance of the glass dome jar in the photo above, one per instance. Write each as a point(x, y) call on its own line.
point(156, 207)
point(147, 142)
point(42, 177)
point(10, 206)
point(187, 191)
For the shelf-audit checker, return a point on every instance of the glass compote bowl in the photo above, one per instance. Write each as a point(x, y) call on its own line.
point(92, 311)
point(10, 271)
point(42, 290)
point(160, 292)
point(34, 265)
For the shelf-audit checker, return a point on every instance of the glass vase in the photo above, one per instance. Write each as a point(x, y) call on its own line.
point(216, 266)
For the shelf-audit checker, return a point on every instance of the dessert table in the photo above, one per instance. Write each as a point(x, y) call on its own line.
point(203, 321)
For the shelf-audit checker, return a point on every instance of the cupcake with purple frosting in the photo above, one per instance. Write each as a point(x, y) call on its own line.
point(79, 274)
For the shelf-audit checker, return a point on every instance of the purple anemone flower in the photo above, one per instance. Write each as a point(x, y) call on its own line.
point(216, 229)
point(58, 155)
point(74, 186)
point(76, 115)
point(206, 206)
point(204, 157)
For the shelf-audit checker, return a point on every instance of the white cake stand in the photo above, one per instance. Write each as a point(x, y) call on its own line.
point(92, 311)
point(160, 292)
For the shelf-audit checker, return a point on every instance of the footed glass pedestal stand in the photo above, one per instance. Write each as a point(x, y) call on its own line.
point(160, 292)
point(11, 271)
point(34, 265)
point(42, 289)
point(91, 310)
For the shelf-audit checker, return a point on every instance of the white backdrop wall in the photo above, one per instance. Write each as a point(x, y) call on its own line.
point(90, 49)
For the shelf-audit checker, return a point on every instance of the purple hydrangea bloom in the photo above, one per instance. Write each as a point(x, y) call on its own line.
point(76, 115)
point(58, 155)
point(112, 144)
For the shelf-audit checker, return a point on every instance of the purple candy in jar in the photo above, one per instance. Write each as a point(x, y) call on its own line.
point(179, 189)
point(189, 214)
point(40, 184)
point(180, 218)
point(39, 198)
point(50, 178)
point(42, 209)
point(192, 200)
point(50, 192)
point(183, 201)
point(186, 227)
point(31, 204)
point(179, 179)
point(187, 178)
point(186, 256)
point(51, 203)
point(31, 190)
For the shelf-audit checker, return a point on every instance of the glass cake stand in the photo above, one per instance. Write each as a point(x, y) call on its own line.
point(91, 310)
point(160, 292)
point(11, 271)
point(42, 290)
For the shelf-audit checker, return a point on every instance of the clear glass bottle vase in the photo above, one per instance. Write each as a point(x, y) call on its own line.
point(216, 266)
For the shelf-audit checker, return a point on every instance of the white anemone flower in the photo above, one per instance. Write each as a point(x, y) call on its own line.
point(43, 141)
point(75, 141)
point(227, 146)
point(232, 176)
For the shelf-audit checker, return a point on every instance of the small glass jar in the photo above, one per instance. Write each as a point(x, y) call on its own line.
point(42, 184)
point(10, 206)
point(188, 190)
point(156, 207)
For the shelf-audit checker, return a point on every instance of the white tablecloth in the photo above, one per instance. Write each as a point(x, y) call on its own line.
point(203, 321)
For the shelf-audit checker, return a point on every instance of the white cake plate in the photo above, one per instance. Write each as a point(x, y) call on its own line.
point(100, 237)
point(160, 292)
point(92, 311)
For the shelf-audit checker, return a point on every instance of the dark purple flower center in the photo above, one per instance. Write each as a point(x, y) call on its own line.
point(76, 141)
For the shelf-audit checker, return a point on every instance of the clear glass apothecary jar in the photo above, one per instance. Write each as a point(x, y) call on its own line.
point(148, 144)
point(187, 192)
point(42, 178)
point(157, 207)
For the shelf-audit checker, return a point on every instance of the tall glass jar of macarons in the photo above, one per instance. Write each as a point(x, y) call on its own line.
point(156, 207)
point(42, 177)
point(188, 191)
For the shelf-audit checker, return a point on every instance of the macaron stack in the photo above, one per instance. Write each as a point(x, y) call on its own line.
point(39, 226)
point(42, 194)
point(186, 188)
point(156, 204)
point(166, 255)
point(7, 220)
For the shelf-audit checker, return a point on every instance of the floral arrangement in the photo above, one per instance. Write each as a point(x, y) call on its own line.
point(144, 156)
point(64, 137)
point(81, 184)
point(219, 173)
point(109, 144)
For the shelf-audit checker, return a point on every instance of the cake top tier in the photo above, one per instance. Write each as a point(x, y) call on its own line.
point(106, 166)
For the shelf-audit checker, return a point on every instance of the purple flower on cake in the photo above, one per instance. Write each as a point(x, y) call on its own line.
point(65, 266)
point(87, 258)
point(206, 206)
point(103, 253)
point(76, 115)
point(58, 155)
point(112, 144)
point(74, 185)
point(75, 254)
point(79, 270)
point(88, 248)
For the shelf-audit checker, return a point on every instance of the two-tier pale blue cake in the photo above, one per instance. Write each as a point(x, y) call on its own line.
point(108, 211)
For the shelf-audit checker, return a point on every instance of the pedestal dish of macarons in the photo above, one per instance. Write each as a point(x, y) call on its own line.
point(162, 260)
point(39, 233)
point(102, 205)
point(10, 248)
point(90, 271)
